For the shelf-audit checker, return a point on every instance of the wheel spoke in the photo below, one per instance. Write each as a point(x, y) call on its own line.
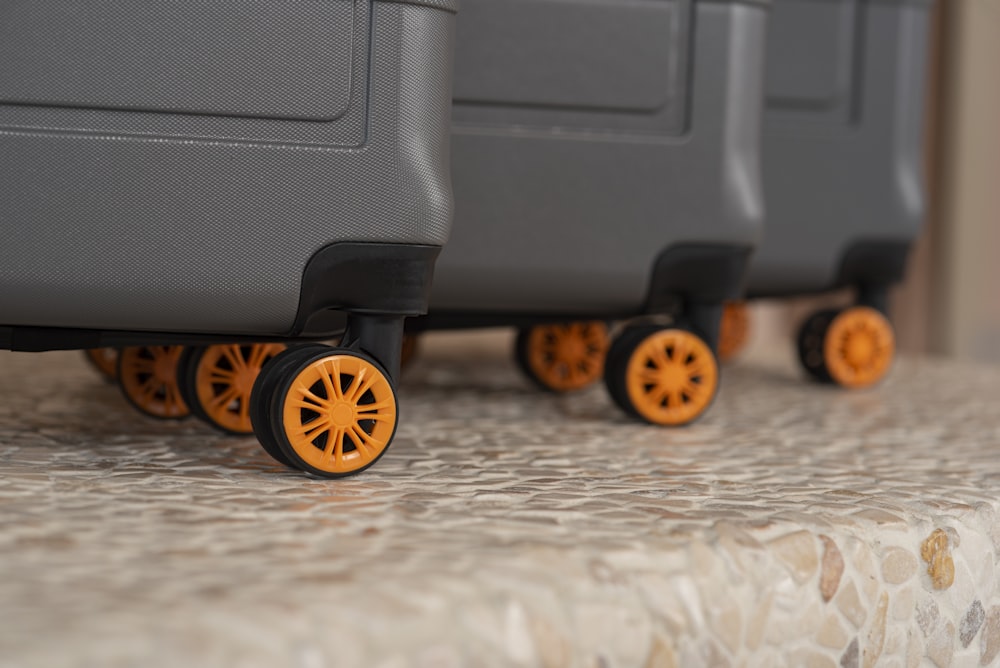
point(376, 417)
point(330, 374)
point(234, 355)
point(311, 400)
point(360, 386)
point(347, 392)
point(172, 399)
point(692, 389)
point(258, 353)
point(594, 338)
point(697, 367)
point(360, 444)
point(681, 350)
point(658, 394)
point(366, 439)
point(311, 430)
point(334, 447)
point(219, 376)
point(225, 398)
point(676, 397)
point(660, 358)
point(149, 388)
point(363, 409)
point(649, 376)
point(139, 365)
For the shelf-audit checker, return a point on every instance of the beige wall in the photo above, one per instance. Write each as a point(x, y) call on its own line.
point(965, 290)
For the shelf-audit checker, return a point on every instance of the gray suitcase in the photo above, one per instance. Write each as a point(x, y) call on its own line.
point(605, 164)
point(842, 163)
point(224, 170)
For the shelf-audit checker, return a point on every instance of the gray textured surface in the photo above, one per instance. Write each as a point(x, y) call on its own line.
point(842, 145)
point(180, 222)
point(564, 209)
point(211, 59)
point(507, 527)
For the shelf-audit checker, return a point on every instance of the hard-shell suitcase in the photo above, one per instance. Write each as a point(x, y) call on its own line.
point(842, 162)
point(605, 162)
point(230, 171)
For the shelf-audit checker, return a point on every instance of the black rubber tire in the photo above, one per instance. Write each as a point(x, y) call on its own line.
point(186, 369)
point(283, 380)
point(263, 393)
point(616, 364)
point(810, 341)
point(521, 357)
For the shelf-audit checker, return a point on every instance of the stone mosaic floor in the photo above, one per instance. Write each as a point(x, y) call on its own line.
point(795, 525)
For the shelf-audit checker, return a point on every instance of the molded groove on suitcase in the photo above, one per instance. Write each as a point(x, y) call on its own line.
point(288, 59)
point(602, 64)
point(811, 55)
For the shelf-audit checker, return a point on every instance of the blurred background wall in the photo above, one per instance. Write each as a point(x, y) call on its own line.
point(950, 302)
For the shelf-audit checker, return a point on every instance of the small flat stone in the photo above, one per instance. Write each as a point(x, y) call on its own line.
point(808, 658)
point(850, 604)
point(936, 553)
point(728, 627)
point(661, 655)
point(941, 645)
point(902, 603)
point(758, 623)
point(914, 651)
point(927, 615)
point(831, 569)
point(797, 551)
point(713, 655)
point(876, 635)
point(989, 641)
point(879, 516)
point(849, 659)
point(969, 627)
point(831, 633)
point(898, 565)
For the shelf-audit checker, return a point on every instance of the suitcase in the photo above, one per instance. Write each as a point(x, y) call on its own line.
point(606, 169)
point(223, 173)
point(842, 161)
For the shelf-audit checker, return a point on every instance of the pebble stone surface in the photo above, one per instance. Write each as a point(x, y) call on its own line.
point(794, 525)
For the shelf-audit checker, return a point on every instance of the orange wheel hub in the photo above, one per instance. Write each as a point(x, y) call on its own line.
point(671, 377)
point(224, 379)
point(339, 414)
point(148, 376)
point(859, 347)
point(734, 330)
point(567, 357)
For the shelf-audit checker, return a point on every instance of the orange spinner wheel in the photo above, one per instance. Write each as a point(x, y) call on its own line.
point(564, 357)
point(664, 376)
point(148, 378)
point(220, 379)
point(335, 413)
point(858, 347)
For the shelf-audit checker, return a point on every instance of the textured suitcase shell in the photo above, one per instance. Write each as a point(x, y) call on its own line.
point(614, 133)
point(842, 144)
point(174, 166)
